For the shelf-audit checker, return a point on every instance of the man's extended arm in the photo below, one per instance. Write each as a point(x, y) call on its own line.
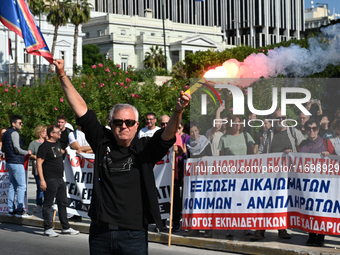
point(74, 99)
point(171, 129)
point(86, 149)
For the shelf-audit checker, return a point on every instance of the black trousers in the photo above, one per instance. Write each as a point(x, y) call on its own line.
point(56, 188)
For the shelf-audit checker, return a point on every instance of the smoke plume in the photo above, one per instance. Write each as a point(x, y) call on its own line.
point(292, 61)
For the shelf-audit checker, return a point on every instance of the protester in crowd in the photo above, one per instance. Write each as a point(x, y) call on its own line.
point(185, 137)
point(61, 123)
point(178, 150)
point(124, 198)
point(315, 111)
point(41, 133)
point(51, 170)
point(150, 128)
point(15, 159)
point(301, 126)
point(279, 138)
point(315, 144)
point(2, 131)
point(258, 136)
point(214, 134)
point(78, 141)
point(251, 116)
point(325, 130)
point(236, 142)
point(336, 139)
point(198, 146)
point(179, 178)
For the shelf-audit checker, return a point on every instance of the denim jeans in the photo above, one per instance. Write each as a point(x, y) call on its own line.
point(17, 182)
point(40, 193)
point(104, 241)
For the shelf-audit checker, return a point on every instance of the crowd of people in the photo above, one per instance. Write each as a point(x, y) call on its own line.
point(313, 134)
point(122, 192)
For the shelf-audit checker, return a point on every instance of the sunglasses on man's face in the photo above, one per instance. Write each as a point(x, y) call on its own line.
point(309, 129)
point(282, 117)
point(163, 124)
point(119, 122)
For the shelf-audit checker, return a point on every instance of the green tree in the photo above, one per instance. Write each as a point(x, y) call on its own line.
point(91, 56)
point(58, 13)
point(80, 14)
point(37, 7)
point(154, 58)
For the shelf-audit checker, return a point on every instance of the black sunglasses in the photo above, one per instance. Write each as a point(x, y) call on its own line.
point(164, 123)
point(282, 117)
point(309, 129)
point(119, 122)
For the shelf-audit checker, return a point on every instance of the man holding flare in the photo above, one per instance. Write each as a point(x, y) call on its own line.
point(124, 197)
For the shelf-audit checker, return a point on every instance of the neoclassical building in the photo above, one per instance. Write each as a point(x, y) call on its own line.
point(126, 39)
point(63, 49)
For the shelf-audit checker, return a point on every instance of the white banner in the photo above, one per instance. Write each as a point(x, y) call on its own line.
point(79, 182)
point(266, 191)
point(4, 187)
point(163, 175)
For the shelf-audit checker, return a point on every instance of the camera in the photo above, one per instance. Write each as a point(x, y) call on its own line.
point(315, 101)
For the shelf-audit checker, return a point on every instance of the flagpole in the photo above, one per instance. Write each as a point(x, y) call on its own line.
point(9, 61)
point(40, 30)
point(172, 196)
point(16, 61)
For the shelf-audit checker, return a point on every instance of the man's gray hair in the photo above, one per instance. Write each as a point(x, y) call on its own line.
point(119, 107)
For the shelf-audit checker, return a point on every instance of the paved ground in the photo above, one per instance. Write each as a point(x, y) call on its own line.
point(240, 243)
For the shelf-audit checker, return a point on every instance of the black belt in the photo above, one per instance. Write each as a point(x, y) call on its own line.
point(110, 226)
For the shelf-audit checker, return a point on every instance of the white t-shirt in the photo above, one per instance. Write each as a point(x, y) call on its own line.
point(80, 138)
point(214, 140)
point(145, 132)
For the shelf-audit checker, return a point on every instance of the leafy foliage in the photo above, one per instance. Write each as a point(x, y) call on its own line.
point(148, 73)
point(154, 58)
point(91, 56)
point(106, 85)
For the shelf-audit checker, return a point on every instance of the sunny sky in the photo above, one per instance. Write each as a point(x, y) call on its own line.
point(333, 5)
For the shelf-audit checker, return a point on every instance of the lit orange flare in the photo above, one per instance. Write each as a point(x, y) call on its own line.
point(229, 69)
point(218, 72)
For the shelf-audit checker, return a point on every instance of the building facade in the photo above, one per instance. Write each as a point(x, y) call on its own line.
point(249, 22)
point(126, 39)
point(63, 49)
point(315, 18)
